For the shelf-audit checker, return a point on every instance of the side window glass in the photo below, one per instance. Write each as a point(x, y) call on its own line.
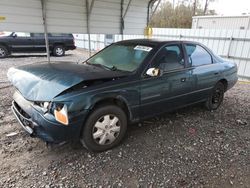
point(20, 34)
point(169, 58)
point(59, 35)
point(38, 34)
point(197, 55)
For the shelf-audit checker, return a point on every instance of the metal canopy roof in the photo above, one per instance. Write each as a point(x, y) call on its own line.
point(75, 16)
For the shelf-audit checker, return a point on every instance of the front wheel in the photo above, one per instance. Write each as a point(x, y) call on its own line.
point(3, 52)
point(59, 51)
point(216, 97)
point(104, 129)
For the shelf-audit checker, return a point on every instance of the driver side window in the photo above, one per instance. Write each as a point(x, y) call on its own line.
point(170, 58)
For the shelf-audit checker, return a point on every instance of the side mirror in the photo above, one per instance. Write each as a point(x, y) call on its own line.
point(153, 72)
point(14, 35)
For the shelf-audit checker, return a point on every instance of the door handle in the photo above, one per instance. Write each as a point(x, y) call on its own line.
point(216, 73)
point(183, 79)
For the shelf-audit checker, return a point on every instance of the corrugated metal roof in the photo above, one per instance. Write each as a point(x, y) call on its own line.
point(69, 16)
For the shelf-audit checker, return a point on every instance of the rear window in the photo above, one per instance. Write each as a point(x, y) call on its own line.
point(60, 35)
point(38, 34)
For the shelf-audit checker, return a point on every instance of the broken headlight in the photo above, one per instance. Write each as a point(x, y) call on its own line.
point(43, 105)
point(60, 111)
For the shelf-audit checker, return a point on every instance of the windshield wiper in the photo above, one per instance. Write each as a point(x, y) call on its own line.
point(113, 68)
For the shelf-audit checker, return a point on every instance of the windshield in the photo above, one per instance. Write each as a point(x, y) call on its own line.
point(121, 57)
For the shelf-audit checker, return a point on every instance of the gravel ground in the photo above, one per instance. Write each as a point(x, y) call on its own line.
point(191, 147)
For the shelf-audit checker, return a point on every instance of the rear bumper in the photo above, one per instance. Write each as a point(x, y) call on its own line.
point(71, 47)
point(43, 125)
point(232, 82)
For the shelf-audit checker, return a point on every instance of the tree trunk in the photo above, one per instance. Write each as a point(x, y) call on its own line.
point(194, 8)
point(205, 8)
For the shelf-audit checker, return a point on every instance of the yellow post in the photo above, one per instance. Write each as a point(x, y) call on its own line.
point(2, 18)
point(148, 32)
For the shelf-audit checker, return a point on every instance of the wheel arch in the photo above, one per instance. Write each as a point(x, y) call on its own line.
point(117, 101)
point(224, 82)
point(58, 44)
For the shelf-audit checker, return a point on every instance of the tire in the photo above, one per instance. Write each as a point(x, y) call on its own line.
point(58, 51)
point(96, 136)
point(3, 52)
point(216, 97)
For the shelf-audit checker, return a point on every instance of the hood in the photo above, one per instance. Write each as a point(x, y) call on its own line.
point(44, 81)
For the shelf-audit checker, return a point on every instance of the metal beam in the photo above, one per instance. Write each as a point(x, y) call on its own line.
point(126, 11)
point(159, 1)
point(91, 6)
point(123, 15)
point(43, 3)
point(150, 3)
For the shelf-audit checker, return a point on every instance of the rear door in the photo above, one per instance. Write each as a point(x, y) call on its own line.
point(204, 71)
point(170, 90)
point(38, 40)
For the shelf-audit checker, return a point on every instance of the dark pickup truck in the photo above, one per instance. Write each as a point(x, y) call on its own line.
point(18, 42)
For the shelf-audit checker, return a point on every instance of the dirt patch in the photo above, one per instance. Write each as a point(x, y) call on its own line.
point(187, 148)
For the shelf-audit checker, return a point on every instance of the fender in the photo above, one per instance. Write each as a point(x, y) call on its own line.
point(118, 96)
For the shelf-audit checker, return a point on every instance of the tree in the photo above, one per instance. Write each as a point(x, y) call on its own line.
point(206, 6)
point(178, 15)
point(194, 7)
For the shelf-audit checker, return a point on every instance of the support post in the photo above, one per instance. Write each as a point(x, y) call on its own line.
point(122, 20)
point(88, 30)
point(43, 2)
point(229, 46)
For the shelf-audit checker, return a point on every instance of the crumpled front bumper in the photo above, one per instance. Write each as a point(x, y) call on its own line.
point(43, 125)
point(25, 122)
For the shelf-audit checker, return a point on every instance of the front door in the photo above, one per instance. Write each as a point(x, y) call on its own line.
point(172, 88)
point(21, 42)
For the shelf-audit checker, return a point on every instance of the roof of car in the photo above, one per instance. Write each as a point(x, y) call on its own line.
point(150, 42)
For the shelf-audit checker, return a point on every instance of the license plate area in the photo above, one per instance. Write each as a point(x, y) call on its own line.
point(23, 118)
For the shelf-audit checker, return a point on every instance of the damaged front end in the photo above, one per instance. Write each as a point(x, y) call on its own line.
point(23, 118)
point(53, 124)
point(40, 103)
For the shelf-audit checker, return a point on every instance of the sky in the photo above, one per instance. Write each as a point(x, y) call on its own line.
point(231, 7)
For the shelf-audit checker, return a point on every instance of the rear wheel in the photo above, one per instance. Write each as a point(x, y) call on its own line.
point(3, 52)
point(59, 51)
point(104, 129)
point(216, 97)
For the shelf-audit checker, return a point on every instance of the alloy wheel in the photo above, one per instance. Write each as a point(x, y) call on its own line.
point(59, 51)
